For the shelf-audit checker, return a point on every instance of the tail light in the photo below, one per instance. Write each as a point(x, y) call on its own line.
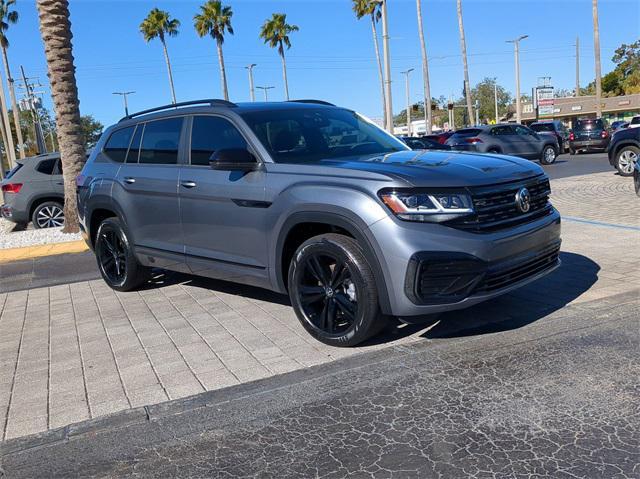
point(12, 188)
point(604, 134)
point(572, 136)
point(442, 139)
point(473, 141)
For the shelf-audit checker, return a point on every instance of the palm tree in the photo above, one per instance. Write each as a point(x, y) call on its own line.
point(371, 8)
point(55, 29)
point(158, 24)
point(596, 49)
point(214, 20)
point(425, 71)
point(463, 47)
point(9, 16)
point(275, 32)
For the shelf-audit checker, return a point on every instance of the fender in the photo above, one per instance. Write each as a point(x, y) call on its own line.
point(341, 218)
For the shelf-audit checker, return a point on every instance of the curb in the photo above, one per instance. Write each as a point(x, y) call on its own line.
point(38, 251)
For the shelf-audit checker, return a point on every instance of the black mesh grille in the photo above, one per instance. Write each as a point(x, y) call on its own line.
point(495, 207)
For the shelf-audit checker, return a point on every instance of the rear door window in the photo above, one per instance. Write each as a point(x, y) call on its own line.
point(160, 141)
point(542, 127)
point(47, 167)
point(118, 144)
point(210, 134)
point(502, 131)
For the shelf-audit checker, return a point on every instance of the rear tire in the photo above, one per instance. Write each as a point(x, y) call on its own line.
point(116, 260)
point(49, 214)
point(333, 291)
point(549, 155)
point(626, 159)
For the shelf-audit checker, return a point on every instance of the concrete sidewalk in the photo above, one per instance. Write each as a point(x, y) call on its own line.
point(78, 351)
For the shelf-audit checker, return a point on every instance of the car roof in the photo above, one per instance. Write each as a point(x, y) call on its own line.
point(43, 156)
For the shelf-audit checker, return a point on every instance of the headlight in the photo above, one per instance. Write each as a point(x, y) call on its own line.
point(414, 205)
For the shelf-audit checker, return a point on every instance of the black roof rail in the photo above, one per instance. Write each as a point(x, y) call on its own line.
point(210, 102)
point(317, 102)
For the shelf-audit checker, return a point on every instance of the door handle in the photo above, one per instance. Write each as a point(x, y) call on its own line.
point(129, 180)
point(189, 184)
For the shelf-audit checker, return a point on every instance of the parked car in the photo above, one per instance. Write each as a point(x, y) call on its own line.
point(34, 191)
point(591, 134)
point(555, 128)
point(422, 143)
point(616, 125)
point(313, 200)
point(624, 150)
point(515, 140)
point(441, 137)
point(636, 177)
point(635, 122)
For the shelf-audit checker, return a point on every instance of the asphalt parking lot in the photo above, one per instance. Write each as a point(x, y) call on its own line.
point(511, 387)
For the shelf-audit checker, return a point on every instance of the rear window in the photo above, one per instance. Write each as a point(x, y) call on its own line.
point(589, 125)
point(118, 144)
point(635, 120)
point(542, 127)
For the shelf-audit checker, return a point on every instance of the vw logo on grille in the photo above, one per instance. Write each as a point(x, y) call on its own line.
point(523, 200)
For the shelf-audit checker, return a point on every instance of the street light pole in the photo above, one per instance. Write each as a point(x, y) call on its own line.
point(265, 89)
point(577, 93)
point(406, 75)
point(124, 94)
point(387, 67)
point(252, 92)
point(516, 43)
point(495, 97)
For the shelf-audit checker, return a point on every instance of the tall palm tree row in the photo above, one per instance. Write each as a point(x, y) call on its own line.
point(159, 24)
point(55, 29)
point(372, 9)
point(214, 19)
point(463, 48)
point(9, 16)
point(275, 32)
point(425, 71)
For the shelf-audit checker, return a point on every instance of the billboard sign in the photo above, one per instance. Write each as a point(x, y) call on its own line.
point(544, 100)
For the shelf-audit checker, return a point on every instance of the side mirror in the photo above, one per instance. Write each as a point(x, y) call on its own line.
point(233, 159)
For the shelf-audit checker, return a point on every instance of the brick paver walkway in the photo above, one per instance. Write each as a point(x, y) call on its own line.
point(78, 351)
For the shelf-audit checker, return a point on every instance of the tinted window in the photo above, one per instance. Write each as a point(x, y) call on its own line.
point(310, 135)
point(467, 132)
point(160, 142)
point(47, 167)
point(635, 120)
point(589, 125)
point(542, 127)
point(521, 130)
point(212, 133)
point(134, 149)
point(118, 144)
point(502, 130)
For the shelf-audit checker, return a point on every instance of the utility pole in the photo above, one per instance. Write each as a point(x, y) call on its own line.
point(31, 101)
point(495, 98)
point(387, 66)
point(406, 74)
point(265, 89)
point(596, 51)
point(477, 112)
point(124, 94)
point(252, 92)
point(14, 103)
point(516, 43)
point(577, 93)
point(9, 146)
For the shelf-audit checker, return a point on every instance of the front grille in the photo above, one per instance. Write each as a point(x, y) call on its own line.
point(502, 275)
point(495, 206)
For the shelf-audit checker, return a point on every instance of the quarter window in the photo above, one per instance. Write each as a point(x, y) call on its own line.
point(134, 149)
point(160, 141)
point(118, 144)
point(212, 133)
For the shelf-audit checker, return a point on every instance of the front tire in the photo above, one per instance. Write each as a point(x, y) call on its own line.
point(626, 160)
point(333, 291)
point(549, 155)
point(49, 214)
point(116, 260)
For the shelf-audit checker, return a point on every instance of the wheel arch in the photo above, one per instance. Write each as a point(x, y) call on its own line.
point(623, 143)
point(38, 200)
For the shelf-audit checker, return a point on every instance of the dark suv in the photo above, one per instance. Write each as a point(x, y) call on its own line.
point(624, 150)
point(313, 200)
point(555, 128)
point(591, 134)
point(34, 191)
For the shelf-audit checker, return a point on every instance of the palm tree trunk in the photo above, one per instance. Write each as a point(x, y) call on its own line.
point(55, 29)
point(166, 59)
point(223, 74)
point(425, 71)
point(596, 49)
point(10, 149)
point(463, 48)
point(380, 74)
point(284, 75)
point(387, 67)
point(14, 103)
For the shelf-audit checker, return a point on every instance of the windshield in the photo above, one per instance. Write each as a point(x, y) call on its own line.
point(315, 134)
point(542, 127)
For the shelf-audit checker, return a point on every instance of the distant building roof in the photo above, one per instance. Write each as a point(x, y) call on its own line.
point(584, 105)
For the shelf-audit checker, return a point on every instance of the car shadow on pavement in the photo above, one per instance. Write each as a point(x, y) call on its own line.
point(514, 310)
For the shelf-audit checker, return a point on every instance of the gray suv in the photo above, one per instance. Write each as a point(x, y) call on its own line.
point(314, 201)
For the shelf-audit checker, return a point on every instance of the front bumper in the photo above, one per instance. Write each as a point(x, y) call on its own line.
point(489, 264)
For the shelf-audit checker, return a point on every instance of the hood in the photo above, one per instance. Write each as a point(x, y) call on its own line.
point(444, 168)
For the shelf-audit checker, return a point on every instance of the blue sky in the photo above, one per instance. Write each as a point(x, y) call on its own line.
point(332, 57)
